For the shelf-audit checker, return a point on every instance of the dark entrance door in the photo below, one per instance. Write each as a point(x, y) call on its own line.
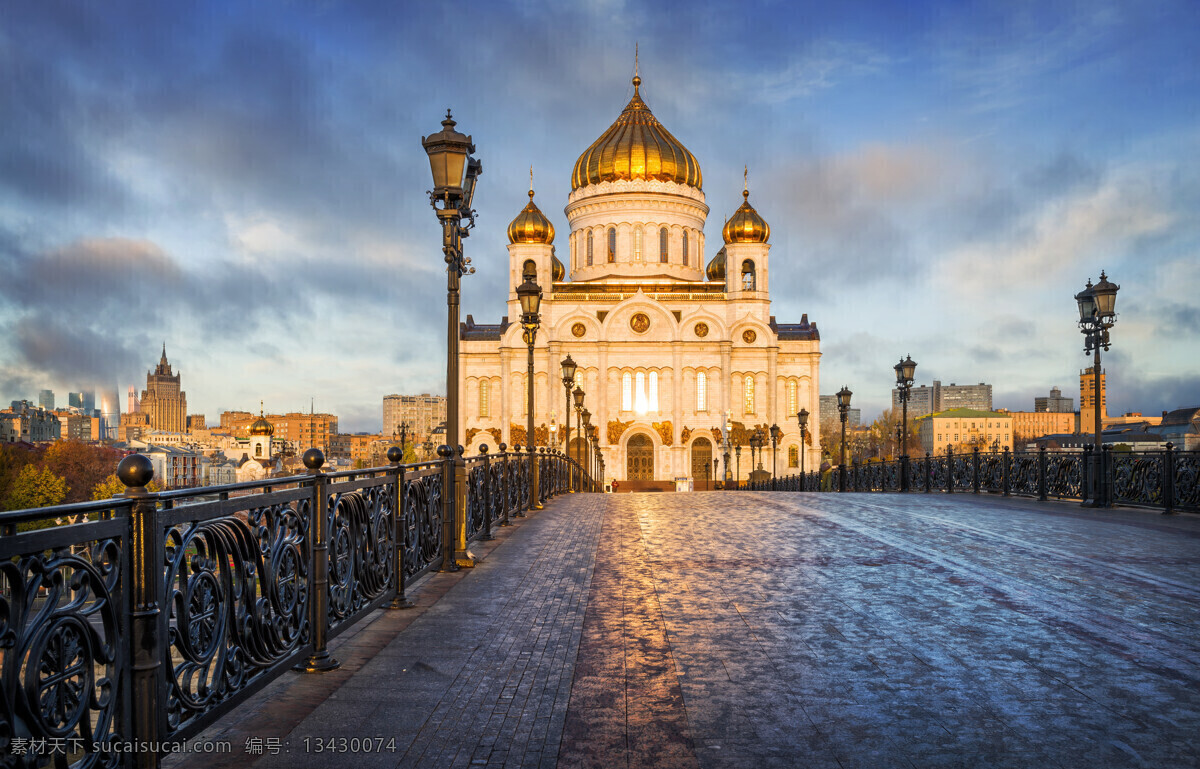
point(701, 462)
point(639, 458)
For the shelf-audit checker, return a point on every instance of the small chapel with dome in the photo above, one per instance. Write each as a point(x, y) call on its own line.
point(676, 353)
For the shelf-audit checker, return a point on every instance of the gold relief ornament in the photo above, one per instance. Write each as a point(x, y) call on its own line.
point(471, 433)
point(665, 431)
point(685, 434)
point(617, 428)
point(578, 330)
point(516, 433)
point(701, 330)
point(639, 322)
point(748, 336)
point(716, 431)
point(495, 433)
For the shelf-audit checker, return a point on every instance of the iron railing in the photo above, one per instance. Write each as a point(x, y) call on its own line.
point(141, 620)
point(1166, 479)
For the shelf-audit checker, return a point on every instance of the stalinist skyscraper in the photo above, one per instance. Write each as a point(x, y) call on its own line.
point(164, 404)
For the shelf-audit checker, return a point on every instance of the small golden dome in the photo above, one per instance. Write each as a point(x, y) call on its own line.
point(261, 426)
point(557, 271)
point(636, 146)
point(531, 225)
point(716, 267)
point(746, 226)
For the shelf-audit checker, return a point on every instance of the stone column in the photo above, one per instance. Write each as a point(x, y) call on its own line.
point(773, 387)
point(505, 393)
point(677, 406)
point(727, 379)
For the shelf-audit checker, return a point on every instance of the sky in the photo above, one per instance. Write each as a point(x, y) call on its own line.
point(245, 183)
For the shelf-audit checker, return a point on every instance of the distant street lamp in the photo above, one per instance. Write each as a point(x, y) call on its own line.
point(726, 447)
point(428, 446)
point(712, 478)
point(776, 434)
point(577, 396)
point(586, 449)
point(530, 295)
point(1097, 314)
point(802, 418)
point(568, 379)
point(905, 372)
point(843, 401)
point(738, 450)
point(454, 175)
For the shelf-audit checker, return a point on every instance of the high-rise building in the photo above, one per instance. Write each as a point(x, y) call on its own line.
point(422, 413)
point(1087, 401)
point(75, 400)
point(163, 402)
point(1055, 403)
point(930, 400)
point(134, 404)
point(831, 415)
point(46, 400)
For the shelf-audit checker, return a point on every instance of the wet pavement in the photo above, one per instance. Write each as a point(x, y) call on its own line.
point(722, 629)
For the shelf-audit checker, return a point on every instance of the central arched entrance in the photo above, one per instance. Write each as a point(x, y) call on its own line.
point(639, 458)
point(702, 470)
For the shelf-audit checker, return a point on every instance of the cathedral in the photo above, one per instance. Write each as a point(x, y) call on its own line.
point(676, 352)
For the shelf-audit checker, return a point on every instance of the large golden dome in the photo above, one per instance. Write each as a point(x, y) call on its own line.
point(531, 225)
point(746, 226)
point(636, 146)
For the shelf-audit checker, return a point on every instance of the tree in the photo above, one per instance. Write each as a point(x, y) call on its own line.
point(36, 488)
point(112, 486)
point(81, 464)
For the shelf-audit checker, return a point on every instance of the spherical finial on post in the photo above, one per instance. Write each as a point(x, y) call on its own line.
point(483, 449)
point(394, 455)
point(314, 459)
point(503, 447)
point(445, 451)
point(135, 471)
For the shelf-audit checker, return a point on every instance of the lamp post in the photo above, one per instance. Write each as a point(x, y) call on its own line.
point(738, 450)
point(454, 175)
point(577, 397)
point(428, 446)
point(776, 434)
point(843, 400)
point(905, 372)
point(802, 418)
point(586, 449)
point(726, 446)
point(713, 477)
point(1097, 314)
point(568, 379)
point(530, 295)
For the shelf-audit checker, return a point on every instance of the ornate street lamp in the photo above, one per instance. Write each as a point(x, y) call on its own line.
point(530, 295)
point(428, 446)
point(802, 418)
point(568, 379)
point(843, 401)
point(454, 175)
point(905, 372)
point(713, 477)
point(726, 446)
point(577, 397)
point(738, 451)
point(776, 434)
point(1097, 314)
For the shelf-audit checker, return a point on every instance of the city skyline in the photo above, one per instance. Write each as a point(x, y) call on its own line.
point(248, 184)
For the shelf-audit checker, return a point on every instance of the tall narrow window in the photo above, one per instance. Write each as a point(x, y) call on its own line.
point(748, 275)
point(589, 250)
point(652, 398)
point(612, 244)
point(793, 456)
point(637, 243)
point(685, 249)
point(627, 392)
point(701, 391)
point(639, 392)
point(662, 245)
point(485, 398)
point(748, 393)
point(791, 399)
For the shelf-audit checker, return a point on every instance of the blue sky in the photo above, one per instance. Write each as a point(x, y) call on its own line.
point(245, 182)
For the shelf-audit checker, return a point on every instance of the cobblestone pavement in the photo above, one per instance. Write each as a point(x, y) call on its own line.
point(720, 629)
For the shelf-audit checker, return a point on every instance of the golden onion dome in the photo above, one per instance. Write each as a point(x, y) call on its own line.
point(746, 226)
point(531, 225)
point(261, 426)
point(716, 267)
point(557, 270)
point(636, 146)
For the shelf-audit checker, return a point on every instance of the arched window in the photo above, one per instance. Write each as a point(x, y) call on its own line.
point(748, 393)
point(484, 399)
point(612, 244)
point(652, 398)
point(258, 450)
point(528, 269)
point(639, 392)
point(637, 243)
point(748, 275)
point(793, 456)
point(662, 245)
point(791, 396)
point(589, 250)
point(701, 391)
point(685, 249)
point(627, 392)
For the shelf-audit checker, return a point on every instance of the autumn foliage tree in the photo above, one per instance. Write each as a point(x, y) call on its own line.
point(35, 487)
point(83, 465)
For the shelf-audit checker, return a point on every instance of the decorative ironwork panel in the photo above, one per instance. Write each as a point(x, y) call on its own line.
point(362, 549)
point(421, 526)
point(518, 491)
point(476, 498)
point(916, 474)
point(1137, 479)
point(891, 476)
point(964, 468)
point(237, 591)
point(63, 645)
point(938, 468)
point(1064, 475)
point(1186, 478)
point(495, 499)
point(991, 472)
point(1023, 479)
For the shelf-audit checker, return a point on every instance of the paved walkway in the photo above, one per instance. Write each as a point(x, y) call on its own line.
point(762, 630)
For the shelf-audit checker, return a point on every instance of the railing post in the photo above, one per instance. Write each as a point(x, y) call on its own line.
point(1168, 494)
point(949, 469)
point(396, 456)
point(1104, 498)
point(975, 463)
point(448, 514)
point(928, 474)
point(488, 494)
point(320, 660)
point(504, 481)
point(522, 493)
point(1043, 469)
point(1006, 470)
point(145, 560)
point(1086, 476)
